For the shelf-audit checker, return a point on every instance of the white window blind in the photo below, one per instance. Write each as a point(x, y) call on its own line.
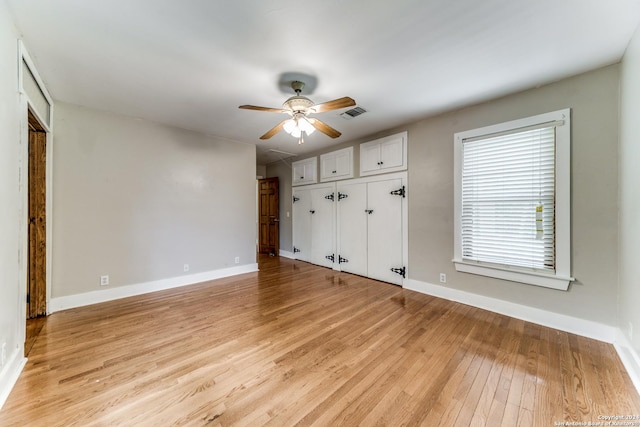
point(506, 179)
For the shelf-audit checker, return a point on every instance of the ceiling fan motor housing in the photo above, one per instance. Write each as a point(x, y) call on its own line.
point(297, 104)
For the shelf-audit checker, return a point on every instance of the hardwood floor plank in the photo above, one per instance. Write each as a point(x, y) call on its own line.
point(298, 344)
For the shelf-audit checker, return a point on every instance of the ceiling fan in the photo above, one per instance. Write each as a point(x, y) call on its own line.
point(299, 108)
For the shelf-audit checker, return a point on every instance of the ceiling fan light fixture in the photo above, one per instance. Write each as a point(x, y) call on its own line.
point(297, 125)
point(289, 126)
point(305, 125)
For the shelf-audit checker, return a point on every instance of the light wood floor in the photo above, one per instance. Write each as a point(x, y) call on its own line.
point(300, 344)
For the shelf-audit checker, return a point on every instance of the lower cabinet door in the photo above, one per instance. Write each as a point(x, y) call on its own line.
point(384, 231)
point(302, 224)
point(322, 226)
point(352, 235)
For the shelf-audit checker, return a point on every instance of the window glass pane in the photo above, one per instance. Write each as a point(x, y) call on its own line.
point(508, 199)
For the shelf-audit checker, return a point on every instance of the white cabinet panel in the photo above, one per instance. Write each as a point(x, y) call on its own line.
point(352, 234)
point(385, 230)
point(304, 171)
point(361, 222)
point(392, 154)
point(301, 224)
point(314, 223)
point(384, 155)
point(369, 158)
point(322, 226)
point(336, 165)
point(372, 227)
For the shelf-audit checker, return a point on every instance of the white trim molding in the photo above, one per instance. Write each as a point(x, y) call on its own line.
point(629, 356)
point(529, 277)
point(94, 297)
point(286, 254)
point(574, 325)
point(10, 373)
point(560, 278)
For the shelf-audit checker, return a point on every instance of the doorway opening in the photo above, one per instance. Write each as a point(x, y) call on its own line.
point(37, 231)
point(268, 216)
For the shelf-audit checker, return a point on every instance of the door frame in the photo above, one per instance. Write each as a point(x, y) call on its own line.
point(37, 131)
point(27, 105)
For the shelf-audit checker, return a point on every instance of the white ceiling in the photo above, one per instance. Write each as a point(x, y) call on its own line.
point(191, 63)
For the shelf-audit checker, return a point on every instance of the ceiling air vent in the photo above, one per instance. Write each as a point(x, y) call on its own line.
point(354, 112)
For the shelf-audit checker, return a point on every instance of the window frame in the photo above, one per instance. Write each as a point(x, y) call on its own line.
point(562, 277)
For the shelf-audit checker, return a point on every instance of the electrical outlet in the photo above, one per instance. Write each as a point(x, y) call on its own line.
point(288, 214)
point(186, 267)
point(443, 278)
point(104, 280)
point(237, 260)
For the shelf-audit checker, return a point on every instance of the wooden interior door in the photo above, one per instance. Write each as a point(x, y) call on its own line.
point(36, 266)
point(269, 230)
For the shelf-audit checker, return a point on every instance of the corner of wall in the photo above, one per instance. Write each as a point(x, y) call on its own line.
point(10, 373)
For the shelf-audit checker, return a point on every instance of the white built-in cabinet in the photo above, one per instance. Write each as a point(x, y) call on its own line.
point(371, 217)
point(336, 165)
point(314, 223)
point(357, 226)
point(304, 171)
point(388, 154)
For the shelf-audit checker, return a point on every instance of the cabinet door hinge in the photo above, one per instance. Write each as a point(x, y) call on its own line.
point(329, 197)
point(342, 196)
point(295, 199)
point(330, 258)
point(399, 192)
point(295, 250)
point(342, 260)
point(401, 271)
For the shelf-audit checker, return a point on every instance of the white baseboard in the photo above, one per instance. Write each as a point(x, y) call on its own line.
point(94, 297)
point(10, 373)
point(286, 254)
point(629, 356)
point(574, 325)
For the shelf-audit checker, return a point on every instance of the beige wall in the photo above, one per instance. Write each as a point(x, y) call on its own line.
point(137, 200)
point(629, 265)
point(593, 98)
point(11, 323)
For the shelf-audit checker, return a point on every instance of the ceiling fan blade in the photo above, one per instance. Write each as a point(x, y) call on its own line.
point(255, 107)
point(277, 128)
point(324, 128)
point(334, 105)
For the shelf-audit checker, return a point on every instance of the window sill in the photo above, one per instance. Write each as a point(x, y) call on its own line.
point(530, 278)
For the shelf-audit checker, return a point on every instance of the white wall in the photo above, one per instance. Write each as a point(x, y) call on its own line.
point(137, 200)
point(629, 266)
point(11, 324)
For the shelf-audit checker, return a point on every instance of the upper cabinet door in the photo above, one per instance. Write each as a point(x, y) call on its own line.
point(369, 158)
point(388, 154)
point(304, 171)
point(336, 165)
